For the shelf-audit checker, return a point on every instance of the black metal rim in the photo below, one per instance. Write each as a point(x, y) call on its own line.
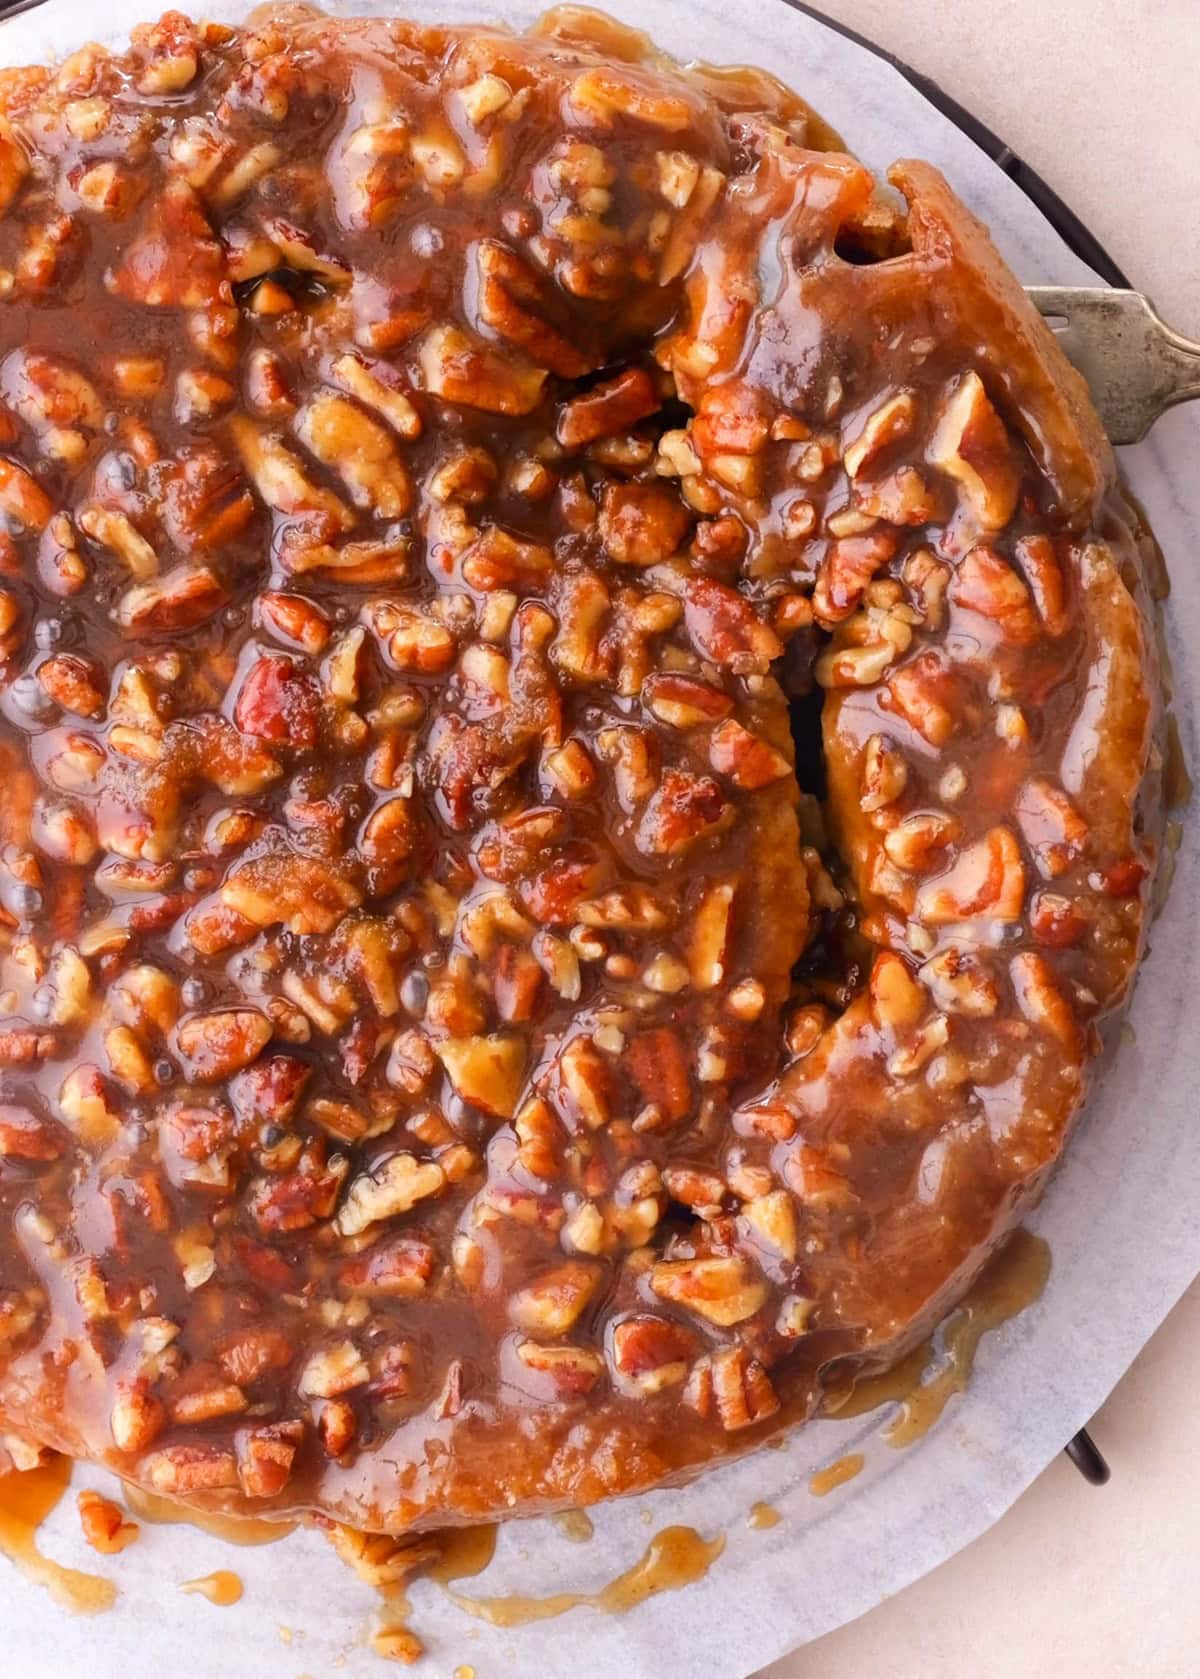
point(1073, 232)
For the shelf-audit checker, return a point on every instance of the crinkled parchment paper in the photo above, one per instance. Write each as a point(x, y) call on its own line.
point(1119, 1217)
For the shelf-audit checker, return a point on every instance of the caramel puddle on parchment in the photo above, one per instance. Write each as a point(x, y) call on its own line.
point(1012, 1280)
point(234, 1530)
point(466, 1551)
point(26, 1498)
point(763, 1515)
point(836, 1474)
point(575, 1525)
point(675, 1557)
point(221, 1588)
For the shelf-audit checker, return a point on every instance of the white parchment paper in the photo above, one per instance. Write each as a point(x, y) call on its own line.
point(1120, 1215)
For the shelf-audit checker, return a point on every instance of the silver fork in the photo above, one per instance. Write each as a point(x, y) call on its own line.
point(1136, 366)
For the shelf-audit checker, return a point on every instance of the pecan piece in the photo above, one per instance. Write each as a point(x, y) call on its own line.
point(987, 879)
point(26, 1136)
point(610, 407)
point(487, 1071)
point(213, 1046)
point(104, 1524)
point(726, 629)
point(359, 450)
point(988, 586)
point(182, 598)
point(748, 761)
point(741, 1389)
point(464, 370)
point(552, 1303)
point(969, 444)
point(650, 1354)
point(685, 809)
point(393, 1187)
point(722, 1290)
point(180, 1470)
point(279, 702)
point(571, 1371)
point(266, 1455)
point(72, 683)
point(1050, 825)
point(642, 524)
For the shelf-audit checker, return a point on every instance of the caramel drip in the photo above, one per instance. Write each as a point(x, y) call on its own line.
point(836, 1474)
point(575, 1525)
point(1012, 1281)
point(869, 1392)
point(763, 1515)
point(466, 1551)
point(234, 1530)
point(676, 1557)
point(463, 1672)
point(221, 1588)
point(26, 1498)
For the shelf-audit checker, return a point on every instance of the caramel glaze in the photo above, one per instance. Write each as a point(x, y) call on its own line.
point(761, 1516)
point(27, 1497)
point(1015, 1278)
point(222, 1588)
point(836, 1474)
point(234, 1530)
point(607, 1124)
point(676, 1557)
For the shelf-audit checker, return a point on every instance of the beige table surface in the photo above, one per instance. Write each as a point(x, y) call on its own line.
point(1075, 1582)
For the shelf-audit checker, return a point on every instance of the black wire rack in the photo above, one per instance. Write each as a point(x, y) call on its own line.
point(1081, 1449)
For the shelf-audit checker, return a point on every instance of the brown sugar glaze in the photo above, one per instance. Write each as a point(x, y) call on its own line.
point(222, 1588)
point(27, 1497)
point(442, 1073)
point(824, 1481)
point(675, 1557)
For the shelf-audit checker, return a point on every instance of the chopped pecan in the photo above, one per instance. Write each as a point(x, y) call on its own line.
point(1050, 825)
point(552, 1304)
point(987, 879)
point(742, 1390)
point(265, 1457)
point(393, 1187)
point(969, 444)
point(104, 1524)
point(215, 1045)
point(570, 1371)
point(651, 1354)
point(725, 628)
point(722, 1290)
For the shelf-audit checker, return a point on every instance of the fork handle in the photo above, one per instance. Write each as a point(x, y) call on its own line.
point(1136, 365)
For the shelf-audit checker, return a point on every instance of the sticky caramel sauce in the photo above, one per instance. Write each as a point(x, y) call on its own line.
point(676, 1557)
point(1013, 1280)
point(465, 1552)
point(463, 1673)
point(234, 1530)
point(836, 1474)
point(869, 1392)
point(575, 1525)
point(762, 1516)
point(222, 1588)
point(26, 1498)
